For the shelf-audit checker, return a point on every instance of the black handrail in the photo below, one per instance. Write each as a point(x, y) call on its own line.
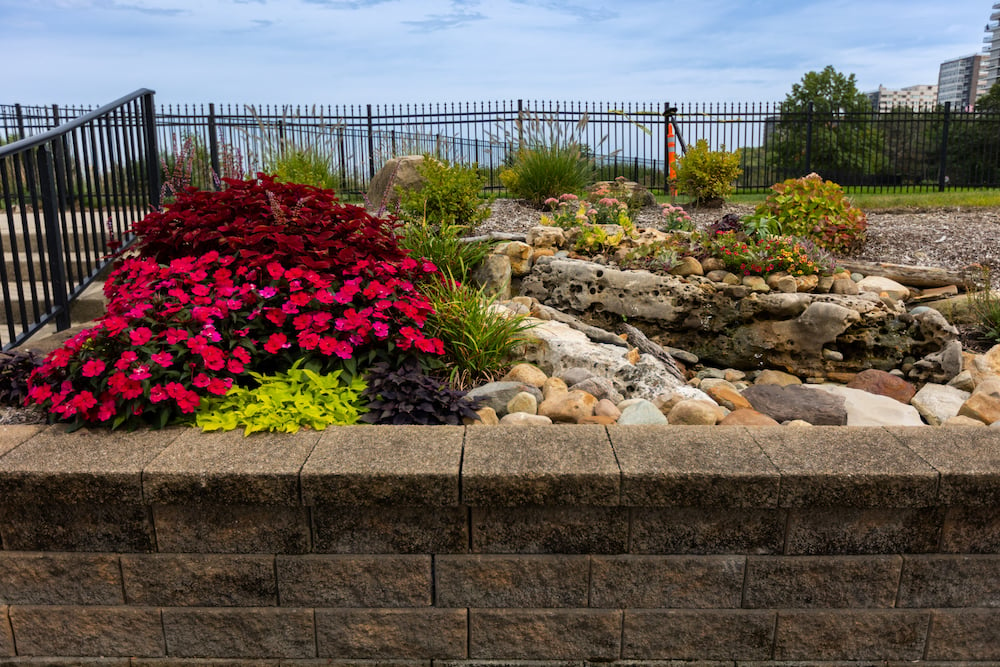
point(66, 193)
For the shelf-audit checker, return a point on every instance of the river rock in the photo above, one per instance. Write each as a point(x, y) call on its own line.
point(780, 378)
point(569, 407)
point(883, 383)
point(599, 387)
point(523, 402)
point(496, 395)
point(641, 412)
point(487, 417)
point(938, 402)
point(797, 402)
point(527, 374)
point(692, 412)
point(882, 285)
point(867, 409)
point(606, 408)
point(524, 419)
point(747, 417)
point(727, 396)
point(982, 406)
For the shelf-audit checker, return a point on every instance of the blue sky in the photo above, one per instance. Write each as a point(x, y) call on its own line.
point(403, 51)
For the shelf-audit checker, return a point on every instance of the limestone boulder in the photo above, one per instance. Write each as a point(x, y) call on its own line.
point(399, 172)
point(555, 347)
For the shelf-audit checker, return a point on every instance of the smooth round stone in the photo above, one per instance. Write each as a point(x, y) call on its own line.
point(524, 419)
point(641, 412)
point(523, 402)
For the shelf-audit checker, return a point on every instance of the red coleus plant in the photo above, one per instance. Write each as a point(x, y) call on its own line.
point(262, 221)
point(195, 326)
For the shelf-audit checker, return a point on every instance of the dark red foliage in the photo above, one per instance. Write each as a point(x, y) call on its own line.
point(261, 221)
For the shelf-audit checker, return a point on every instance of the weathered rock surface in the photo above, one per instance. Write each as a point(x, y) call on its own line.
point(866, 409)
point(810, 335)
point(398, 172)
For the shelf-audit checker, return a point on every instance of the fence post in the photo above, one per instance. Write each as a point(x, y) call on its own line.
point(53, 238)
point(520, 124)
point(213, 146)
point(943, 154)
point(19, 113)
point(809, 137)
point(152, 151)
point(60, 161)
point(371, 145)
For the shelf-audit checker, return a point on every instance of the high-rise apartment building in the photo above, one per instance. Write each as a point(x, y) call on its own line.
point(961, 81)
point(918, 97)
point(991, 52)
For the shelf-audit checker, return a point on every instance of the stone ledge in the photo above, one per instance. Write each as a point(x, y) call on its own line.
point(638, 466)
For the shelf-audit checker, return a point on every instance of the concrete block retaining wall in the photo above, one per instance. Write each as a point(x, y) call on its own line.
point(484, 546)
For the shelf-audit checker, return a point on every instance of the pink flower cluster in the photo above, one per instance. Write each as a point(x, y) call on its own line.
point(178, 332)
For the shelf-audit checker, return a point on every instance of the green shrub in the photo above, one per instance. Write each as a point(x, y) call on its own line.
point(444, 246)
point(450, 195)
point(817, 210)
point(542, 172)
point(286, 402)
point(302, 164)
point(984, 304)
point(478, 340)
point(708, 175)
point(657, 257)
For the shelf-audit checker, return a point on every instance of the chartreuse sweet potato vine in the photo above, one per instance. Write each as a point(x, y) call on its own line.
point(286, 402)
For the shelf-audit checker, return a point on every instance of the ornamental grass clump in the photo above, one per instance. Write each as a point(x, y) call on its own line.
point(272, 274)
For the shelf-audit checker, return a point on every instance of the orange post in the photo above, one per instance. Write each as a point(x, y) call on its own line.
point(671, 160)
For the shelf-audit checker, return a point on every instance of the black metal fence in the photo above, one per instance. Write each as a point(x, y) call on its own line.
point(873, 151)
point(65, 193)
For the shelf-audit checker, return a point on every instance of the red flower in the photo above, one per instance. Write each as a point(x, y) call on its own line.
point(276, 342)
point(92, 368)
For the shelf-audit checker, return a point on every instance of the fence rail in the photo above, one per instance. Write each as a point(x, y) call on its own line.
point(66, 193)
point(888, 150)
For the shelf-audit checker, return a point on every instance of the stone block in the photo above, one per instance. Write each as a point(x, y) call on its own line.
point(697, 530)
point(697, 634)
point(373, 465)
point(355, 581)
point(511, 581)
point(76, 527)
point(390, 530)
point(83, 467)
point(378, 634)
point(974, 530)
point(698, 582)
point(199, 580)
point(569, 530)
point(781, 582)
point(35, 578)
point(87, 631)
point(231, 528)
point(950, 581)
point(227, 468)
point(718, 465)
point(545, 634)
point(967, 459)
point(6, 636)
point(964, 634)
point(851, 467)
point(850, 530)
point(561, 465)
point(240, 633)
point(12, 435)
point(889, 634)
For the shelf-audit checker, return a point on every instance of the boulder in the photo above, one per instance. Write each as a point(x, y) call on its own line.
point(401, 172)
point(797, 402)
point(526, 373)
point(880, 285)
point(555, 347)
point(883, 383)
point(866, 409)
point(542, 237)
point(570, 407)
point(524, 419)
point(981, 406)
point(938, 402)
